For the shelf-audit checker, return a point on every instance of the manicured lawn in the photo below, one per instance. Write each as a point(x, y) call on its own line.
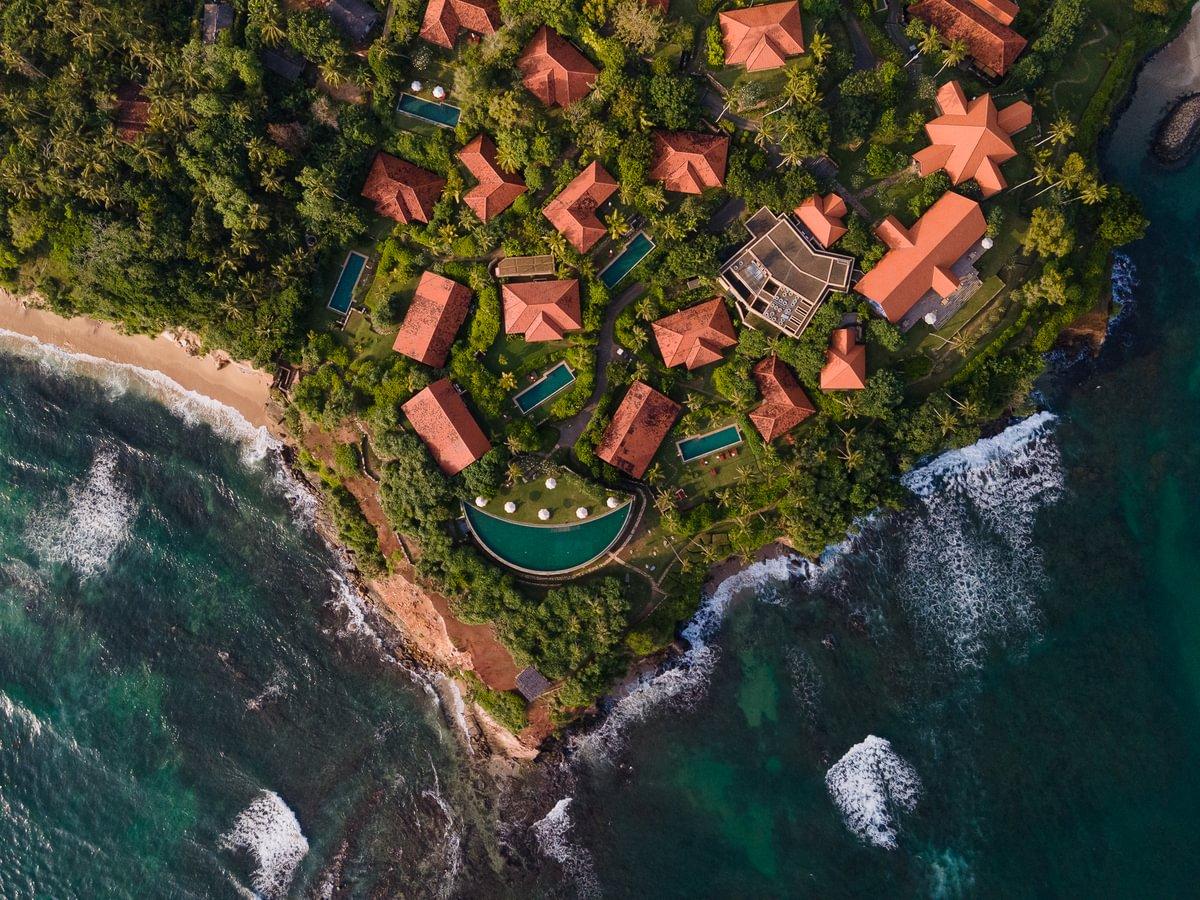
point(531, 494)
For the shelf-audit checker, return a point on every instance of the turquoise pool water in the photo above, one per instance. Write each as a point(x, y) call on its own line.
point(438, 113)
point(696, 447)
point(547, 549)
point(555, 380)
point(343, 291)
point(635, 251)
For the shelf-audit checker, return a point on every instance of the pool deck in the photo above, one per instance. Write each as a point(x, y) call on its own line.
point(741, 439)
point(616, 543)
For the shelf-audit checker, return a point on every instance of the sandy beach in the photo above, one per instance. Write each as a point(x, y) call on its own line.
point(235, 384)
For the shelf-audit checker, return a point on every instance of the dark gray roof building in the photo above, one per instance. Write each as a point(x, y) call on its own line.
point(356, 19)
point(531, 684)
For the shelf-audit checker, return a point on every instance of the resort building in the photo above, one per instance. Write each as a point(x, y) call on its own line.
point(637, 429)
point(542, 310)
point(983, 25)
point(496, 189)
point(688, 162)
point(971, 139)
point(438, 309)
point(780, 276)
point(762, 37)
point(695, 336)
point(524, 266)
point(573, 211)
point(928, 271)
point(784, 406)
point(355, 19)
point(284, 62)
point(444, 19)
point(402, 191)
point(132, 112)
point(823, 217)
point(554, 71)
point(217, 17)
point(845, 366)
point(441, 419)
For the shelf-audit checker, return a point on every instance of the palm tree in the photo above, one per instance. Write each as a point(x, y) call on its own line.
point(956, 51)
point(617, 225)
point(927, 39)
point(1060, 132)
point(663, 502)
point(1043, 170)
point(1091, 192)
point(508, 381)
point(819, 46)
point(654, 474)
point(947, 421)
point(515, 472)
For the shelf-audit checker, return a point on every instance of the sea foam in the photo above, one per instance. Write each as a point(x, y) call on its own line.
point(685, 680)
point(971, 568)
point(117, 378)
point(95, 524)
point(269, 832)
point(871, 785)
point(553, 833)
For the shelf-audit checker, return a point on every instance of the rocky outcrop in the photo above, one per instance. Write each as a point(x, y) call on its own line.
point(1178, 134)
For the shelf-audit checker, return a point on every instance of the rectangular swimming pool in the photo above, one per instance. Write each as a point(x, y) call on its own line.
point(555, 380)
point(694, 448)
point(441, 114)
point(343, 291)
point(635, 251)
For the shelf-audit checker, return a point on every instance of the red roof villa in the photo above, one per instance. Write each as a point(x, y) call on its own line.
point(132, 112)
point(542, 310)
point(923, 258)
point(784, 406)
point(437, 311)
point(444, 19)
point(554, 71)
point(845, 366)
point(688, 162)
point(402, 191)
point(980, 24)
point(822, 216)
point(637, 429)
point(695, 336)
point(762, 37)
point(441, 419)
point(573, 211)
point(971, 139)
point(497, 189)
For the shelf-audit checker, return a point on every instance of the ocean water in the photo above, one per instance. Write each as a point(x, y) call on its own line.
point(193, 702)
point(993, 694)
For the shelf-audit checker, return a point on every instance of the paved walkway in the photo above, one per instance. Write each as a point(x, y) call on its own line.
point(570, 430)
point(864, 56)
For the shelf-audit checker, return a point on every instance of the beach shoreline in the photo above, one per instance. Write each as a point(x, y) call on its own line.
point(235, 384)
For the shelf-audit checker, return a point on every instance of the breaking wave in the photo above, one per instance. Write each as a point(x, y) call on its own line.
point(553, 833)
point(683, 681)
point(971, 569)
point(20, 715)
point(268, 831)
point(871, 785)
point(117, 378)
point(95, 524)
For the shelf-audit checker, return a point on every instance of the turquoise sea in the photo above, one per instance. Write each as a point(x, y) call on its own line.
point(995, 693)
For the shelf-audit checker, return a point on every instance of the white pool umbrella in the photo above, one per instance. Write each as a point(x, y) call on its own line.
point(543, 514)
point(510, 507)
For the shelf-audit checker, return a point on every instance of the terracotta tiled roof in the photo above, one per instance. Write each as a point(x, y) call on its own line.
point(845, 366)
point(762, 37)
point(822, 216)
point(921, 258)
point(971, 139)
point(554, 71)
point(132, 113)
point(445, 18)
point(689, 162)
point(497, 189)
point(990, 41)
point(441, 419)
point(1003, 11)
point(695, 336)
point(402, 191)
point(542, 310)
point(784, 406)
point(438, 309)
point(573, 211)
point(637, 429)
